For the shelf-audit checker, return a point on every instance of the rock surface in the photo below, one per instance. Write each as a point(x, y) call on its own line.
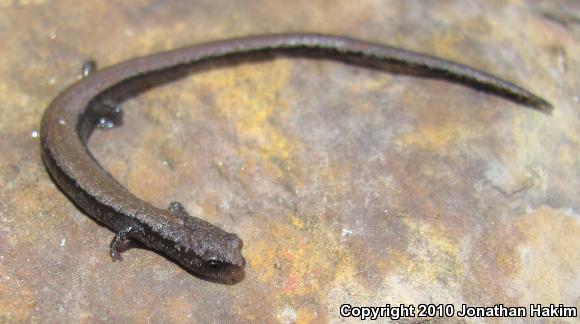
point(347, 185)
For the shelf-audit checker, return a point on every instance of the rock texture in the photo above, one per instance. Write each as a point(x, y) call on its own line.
point(346, 184)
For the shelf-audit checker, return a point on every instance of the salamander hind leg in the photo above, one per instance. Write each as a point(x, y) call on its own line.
point(118, 239)
point(110, 114)
point(109, 111)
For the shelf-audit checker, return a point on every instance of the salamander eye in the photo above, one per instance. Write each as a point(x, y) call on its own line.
point(213, 264)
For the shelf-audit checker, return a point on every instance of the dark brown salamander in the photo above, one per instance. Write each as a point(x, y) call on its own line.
point(196, 244)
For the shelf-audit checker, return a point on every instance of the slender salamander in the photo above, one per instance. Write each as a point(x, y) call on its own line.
point(198, 245)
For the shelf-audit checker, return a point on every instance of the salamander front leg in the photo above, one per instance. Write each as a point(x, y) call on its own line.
point(119, 238)
point(111, 114)
point(177, 209)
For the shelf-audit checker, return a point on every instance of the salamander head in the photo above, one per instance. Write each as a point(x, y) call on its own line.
point(219, 255)
point(207, 250)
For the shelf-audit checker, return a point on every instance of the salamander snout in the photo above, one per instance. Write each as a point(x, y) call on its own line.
point(233, 255)
point(235, 242)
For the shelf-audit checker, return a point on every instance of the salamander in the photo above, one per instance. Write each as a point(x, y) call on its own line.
point(197, 245)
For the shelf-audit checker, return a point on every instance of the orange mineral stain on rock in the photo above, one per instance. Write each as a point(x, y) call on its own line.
point(305, 316)
point(296, 221)
point(303, 264)
point(248, 96)
point(437, 136)
point(432, 254)
point(303, 261)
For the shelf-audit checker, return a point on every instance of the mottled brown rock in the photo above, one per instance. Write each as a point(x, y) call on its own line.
point(346, 184)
